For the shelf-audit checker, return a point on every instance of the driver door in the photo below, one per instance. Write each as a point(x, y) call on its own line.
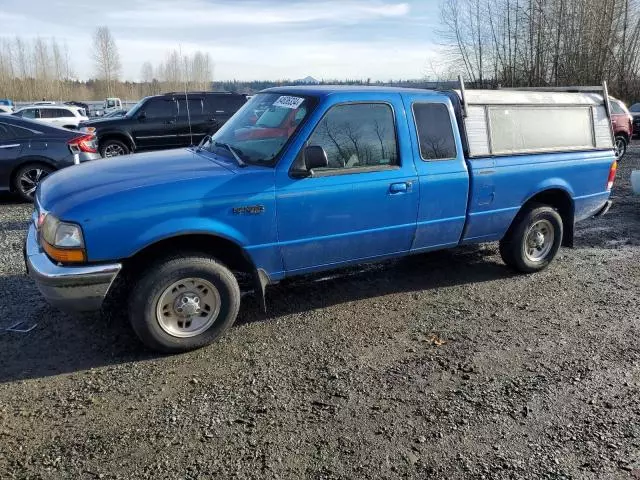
point(364, 204)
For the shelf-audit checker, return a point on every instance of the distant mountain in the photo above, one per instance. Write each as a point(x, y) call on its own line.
point(307, 81)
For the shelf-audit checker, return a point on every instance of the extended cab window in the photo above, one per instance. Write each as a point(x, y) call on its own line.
point(356, 136)
point(160, 108)
point(435, 133)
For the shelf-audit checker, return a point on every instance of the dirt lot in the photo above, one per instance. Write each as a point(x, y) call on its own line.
point(445, 365)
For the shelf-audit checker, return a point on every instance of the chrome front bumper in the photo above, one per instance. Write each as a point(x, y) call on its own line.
point(71, 289)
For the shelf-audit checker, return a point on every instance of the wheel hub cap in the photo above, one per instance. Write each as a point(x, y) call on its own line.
point(188, 307)
point(539, 240)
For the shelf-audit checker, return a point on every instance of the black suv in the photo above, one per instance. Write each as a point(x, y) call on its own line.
point(162, 121)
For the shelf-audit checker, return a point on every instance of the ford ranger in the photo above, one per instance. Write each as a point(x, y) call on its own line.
point(304, 179)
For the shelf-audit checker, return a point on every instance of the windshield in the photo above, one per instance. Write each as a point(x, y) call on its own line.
point(135, 108)
point(635, 108)
point(258, 132)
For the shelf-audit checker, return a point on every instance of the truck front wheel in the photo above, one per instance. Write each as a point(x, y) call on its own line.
point(533, 240)
point(183, 303)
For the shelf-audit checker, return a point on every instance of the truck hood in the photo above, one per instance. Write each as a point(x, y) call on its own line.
point(83, 184)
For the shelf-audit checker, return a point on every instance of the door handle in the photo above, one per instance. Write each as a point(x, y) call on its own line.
point(170, 122)
point(402, 187)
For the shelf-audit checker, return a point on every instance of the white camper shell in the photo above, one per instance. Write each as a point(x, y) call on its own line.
point(511, 122)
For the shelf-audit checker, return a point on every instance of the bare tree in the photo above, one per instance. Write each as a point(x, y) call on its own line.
point(546, 42)
point(106, 58)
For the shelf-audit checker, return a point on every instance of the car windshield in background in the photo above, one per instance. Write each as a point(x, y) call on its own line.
point(258, 132)
point(635, 108)
point(135, 108)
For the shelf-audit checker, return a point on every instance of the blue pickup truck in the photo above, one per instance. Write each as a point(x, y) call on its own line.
point(304, 179)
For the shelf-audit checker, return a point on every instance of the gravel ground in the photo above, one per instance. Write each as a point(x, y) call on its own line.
point(445, 365)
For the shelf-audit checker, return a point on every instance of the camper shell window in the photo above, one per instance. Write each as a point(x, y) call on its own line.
point(501, 122)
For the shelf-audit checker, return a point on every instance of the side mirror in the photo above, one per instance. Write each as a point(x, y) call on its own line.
point(142, 116)
point(315, 157)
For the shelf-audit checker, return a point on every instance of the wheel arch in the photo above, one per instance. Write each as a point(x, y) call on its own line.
point(227, 251)
point(121, 136)
point(559, 199)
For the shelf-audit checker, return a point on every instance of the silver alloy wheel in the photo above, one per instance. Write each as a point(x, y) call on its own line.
point(30, 179)
point(620, 147)
point(114, 150)
point(539, 240)
point(188, 307)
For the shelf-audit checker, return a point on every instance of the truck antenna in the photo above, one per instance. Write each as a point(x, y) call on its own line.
point(186, 96)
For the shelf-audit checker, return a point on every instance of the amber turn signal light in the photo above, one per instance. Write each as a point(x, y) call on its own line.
point(64, 255)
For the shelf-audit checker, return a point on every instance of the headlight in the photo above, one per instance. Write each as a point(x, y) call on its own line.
point(62, 241)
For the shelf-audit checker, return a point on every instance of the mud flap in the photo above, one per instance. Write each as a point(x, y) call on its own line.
point(261, 280)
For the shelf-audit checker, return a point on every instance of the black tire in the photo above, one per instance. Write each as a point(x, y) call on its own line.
point(148, 290)
point(515, 244)
point(620, 146)
point(114, 148)
point(27, 178)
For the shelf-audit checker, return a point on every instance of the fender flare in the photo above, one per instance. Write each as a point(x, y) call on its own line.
point(116, 133)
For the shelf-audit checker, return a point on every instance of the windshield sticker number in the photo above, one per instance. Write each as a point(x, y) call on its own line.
point(288, 102)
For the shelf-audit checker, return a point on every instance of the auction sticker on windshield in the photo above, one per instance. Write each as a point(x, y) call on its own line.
point(288, 102)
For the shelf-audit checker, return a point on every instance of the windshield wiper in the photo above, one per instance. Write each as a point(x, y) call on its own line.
point(233, 151)
point(203, 142)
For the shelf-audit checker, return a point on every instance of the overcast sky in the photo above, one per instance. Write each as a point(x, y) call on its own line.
point(247, 39)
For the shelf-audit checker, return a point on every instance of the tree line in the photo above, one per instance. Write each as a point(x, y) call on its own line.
point(519, 43)
point(43, 69)
point(515, 43)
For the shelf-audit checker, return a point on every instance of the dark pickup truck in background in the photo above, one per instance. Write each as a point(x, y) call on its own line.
point(171, 120)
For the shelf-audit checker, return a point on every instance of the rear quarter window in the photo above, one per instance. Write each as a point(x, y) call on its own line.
point(435, 131)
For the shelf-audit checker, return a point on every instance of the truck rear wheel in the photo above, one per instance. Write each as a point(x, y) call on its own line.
point(533, 240)
point(183, 303)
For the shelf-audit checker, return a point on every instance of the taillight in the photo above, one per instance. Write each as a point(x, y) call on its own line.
point(612, 175)
point(85, 143)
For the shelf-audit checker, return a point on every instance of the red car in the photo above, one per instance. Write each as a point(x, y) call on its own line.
point(622, 123)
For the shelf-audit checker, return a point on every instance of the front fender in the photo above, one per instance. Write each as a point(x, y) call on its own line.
point(186, 226)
